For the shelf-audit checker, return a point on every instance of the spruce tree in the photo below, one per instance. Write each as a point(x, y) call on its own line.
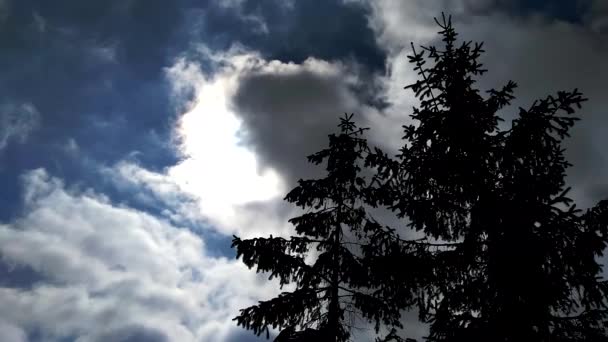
point(330, 232)
point(519, 260)
point(506, 255)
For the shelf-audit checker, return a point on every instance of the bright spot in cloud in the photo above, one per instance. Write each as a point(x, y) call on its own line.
point(217, 168)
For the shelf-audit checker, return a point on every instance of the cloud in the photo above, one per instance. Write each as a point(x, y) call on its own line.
point(115, 273)
point(289, 109)
point(255, 20)
point(135, 333)
point(244, 136)
point(156, 190)
point(250, 121)
point(246, 121)
point(247, 127)
point(86, 66)
point(216, 168)
point(11, 333)
point(17, 122)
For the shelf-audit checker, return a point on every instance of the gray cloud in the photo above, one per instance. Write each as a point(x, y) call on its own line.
point(597, 17)
point(11, 333)
point(134, 333)
point(287, 115)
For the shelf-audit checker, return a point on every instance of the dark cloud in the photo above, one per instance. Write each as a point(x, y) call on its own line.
point(288, 115)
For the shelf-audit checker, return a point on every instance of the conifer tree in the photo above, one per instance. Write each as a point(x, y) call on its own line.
point(506, 255)
point(334, 226)
point(519, 261)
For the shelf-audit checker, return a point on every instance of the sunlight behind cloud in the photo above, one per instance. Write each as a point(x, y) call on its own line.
point(227, 166)
point(217, 168)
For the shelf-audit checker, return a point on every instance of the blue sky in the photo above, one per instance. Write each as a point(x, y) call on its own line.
point(136, 136)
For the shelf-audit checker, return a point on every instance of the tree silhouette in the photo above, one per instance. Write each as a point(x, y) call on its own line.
point(506, 255)
point(520, 261)
point(334, 227)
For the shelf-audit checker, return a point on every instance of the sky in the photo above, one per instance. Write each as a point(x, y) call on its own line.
point(138, 136)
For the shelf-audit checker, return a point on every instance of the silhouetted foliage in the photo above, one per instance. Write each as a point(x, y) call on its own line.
point(506, 255)
point(523, 261)
point(332, 231)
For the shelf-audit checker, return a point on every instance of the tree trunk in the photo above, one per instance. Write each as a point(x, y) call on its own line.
point(333, 321)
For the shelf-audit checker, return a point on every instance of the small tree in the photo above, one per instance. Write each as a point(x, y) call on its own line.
point(522, 260)
point(333, 227)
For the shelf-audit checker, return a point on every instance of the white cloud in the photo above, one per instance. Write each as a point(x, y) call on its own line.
point(113, 271)
point(17, 122)
point(226, 172)
point(217, 170)
point(148, 187)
